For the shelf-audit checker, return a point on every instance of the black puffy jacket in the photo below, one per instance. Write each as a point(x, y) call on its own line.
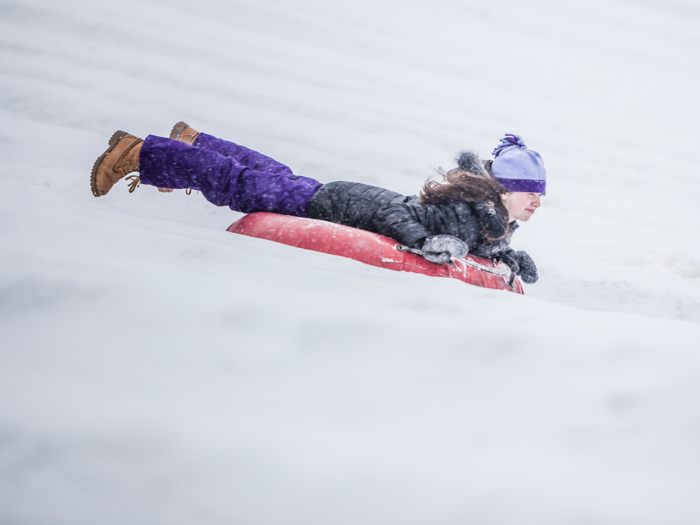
point(402, 218)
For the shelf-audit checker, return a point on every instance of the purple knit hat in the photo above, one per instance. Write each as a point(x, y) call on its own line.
point(518, 168)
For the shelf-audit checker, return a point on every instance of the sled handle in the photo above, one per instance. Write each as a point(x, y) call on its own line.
point(509, 274)
point(402, 248)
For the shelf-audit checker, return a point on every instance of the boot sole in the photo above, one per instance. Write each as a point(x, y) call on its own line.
point(177, 130)
point(112, 143)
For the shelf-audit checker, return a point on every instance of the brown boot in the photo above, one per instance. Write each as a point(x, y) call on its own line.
point(182, 132)
point(120, 159)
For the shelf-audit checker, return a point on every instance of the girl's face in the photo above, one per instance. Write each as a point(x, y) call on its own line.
point(521, 205)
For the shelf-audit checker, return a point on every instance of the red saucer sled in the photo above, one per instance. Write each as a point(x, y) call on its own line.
point(369, 248)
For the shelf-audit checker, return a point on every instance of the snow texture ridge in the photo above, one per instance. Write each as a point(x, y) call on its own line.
point(156, 369)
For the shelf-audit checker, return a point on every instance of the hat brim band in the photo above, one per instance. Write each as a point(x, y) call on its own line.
point(523, 185)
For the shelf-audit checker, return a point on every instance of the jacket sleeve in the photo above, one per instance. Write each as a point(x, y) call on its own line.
point(396, 221)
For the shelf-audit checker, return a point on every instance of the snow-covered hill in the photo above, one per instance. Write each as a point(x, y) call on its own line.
point(155, 369)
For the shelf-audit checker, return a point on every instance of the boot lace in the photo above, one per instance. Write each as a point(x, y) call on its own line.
point(135, 182)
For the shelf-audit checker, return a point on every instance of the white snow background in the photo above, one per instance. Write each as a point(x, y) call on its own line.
point(155, 369)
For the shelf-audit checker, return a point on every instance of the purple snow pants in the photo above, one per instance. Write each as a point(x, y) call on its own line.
point(227, 175)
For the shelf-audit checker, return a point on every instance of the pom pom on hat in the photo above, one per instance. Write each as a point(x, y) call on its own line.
point(508, 141)
point(518, 168)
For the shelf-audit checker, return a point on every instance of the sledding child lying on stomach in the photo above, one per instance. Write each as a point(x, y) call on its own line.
point(473, 209)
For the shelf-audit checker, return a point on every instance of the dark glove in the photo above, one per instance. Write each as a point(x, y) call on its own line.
point(491, 220)
point(528, 270)
point(520, 263)
point(440, 249)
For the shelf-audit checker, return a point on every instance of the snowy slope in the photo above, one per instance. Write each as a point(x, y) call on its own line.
point(156, 369)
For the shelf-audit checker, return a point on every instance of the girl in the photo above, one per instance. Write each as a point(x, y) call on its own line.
point(473, 209)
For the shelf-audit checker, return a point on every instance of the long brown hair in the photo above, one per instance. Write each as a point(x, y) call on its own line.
point(461, 185)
